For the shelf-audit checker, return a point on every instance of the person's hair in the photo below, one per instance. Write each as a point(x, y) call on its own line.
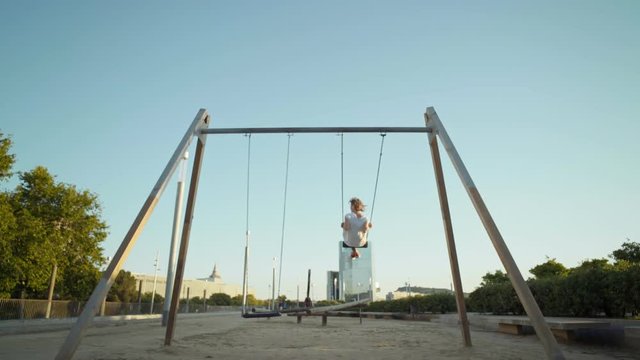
point(357, 203)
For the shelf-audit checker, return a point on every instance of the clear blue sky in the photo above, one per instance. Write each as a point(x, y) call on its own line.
point(540, 98)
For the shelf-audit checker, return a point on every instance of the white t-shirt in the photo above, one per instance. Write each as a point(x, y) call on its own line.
point(355, 236)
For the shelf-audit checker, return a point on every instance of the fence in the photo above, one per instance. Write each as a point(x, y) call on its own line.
point(16, 309)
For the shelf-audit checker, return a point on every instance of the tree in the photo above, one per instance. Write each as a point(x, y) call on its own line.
point(547, 269)
point(497, 277)
point(123, 288)
point(8, 225)
point(159, 299)
point(55, 223)
point(630, 251)
point(8, 228)
point(6, 159)
point(593, 264)
point(236, 300)
point(251, 300)
point(219, 299)
point(589, 287)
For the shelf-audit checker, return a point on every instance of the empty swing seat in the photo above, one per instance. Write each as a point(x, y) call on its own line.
point(261, 315)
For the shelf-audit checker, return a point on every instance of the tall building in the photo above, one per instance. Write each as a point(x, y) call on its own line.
point(356, 276)
point(333, 290)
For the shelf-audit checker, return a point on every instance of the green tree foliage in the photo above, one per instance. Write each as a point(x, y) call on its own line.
point(495, 295)
point(436, 303)
point(251, 300)
point(497, 298)
point(8, 224)
point(628, 275)
point(497, 277)
point(594, 288)
point(6, 159)
point(592, 264)
point(547, 269)
point(56, 223)
point(588, 285)
point(197, 300)
point(551, 294)
point(124, 288)
point(220, 299)
point(236, 300)
point(159, 299)
point(8, 228)
point(630, 251)
point(283, 301)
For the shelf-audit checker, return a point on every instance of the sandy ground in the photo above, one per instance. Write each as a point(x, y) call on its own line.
point(228, 336)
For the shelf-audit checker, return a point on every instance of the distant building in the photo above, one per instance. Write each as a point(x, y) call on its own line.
point(398, 295)
point(193, 287)
point(356, 276)
point(404, 291)
point(214, 277)
point(333, 280)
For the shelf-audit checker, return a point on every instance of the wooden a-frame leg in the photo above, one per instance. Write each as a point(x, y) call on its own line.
point(451, 245)
point(550, 344)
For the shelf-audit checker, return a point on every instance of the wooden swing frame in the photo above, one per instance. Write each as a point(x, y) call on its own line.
point(199, 129)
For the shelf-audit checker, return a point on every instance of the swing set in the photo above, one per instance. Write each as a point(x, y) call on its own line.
point(199, 129)
point(272, 311)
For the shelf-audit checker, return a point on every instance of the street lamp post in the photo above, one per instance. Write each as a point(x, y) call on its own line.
point(175, 234)
point(273, 286)
point(155, 278)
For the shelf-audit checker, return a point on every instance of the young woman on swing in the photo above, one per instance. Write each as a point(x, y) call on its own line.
point(355, 227)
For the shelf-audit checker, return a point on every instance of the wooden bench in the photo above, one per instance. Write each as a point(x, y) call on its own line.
point(563, 329)
point(324, 310)
point(324, 316)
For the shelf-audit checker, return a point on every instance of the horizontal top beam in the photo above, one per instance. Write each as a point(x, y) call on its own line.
point(338, 130)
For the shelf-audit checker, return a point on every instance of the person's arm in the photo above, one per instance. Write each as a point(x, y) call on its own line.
point(345, 224)
point(366, 226)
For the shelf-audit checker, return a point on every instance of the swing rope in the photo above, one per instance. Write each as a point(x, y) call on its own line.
point(248, 176)
point(342, 173)
point(375, 189)
point(284, 210)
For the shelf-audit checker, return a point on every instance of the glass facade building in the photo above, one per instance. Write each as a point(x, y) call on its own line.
point(333, 290)
point(356, 277)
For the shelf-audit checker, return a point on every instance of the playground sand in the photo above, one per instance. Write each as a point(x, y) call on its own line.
point(227, 336)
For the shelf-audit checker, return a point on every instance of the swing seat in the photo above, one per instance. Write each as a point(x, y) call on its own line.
point(261, 315)
point(366, 245)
